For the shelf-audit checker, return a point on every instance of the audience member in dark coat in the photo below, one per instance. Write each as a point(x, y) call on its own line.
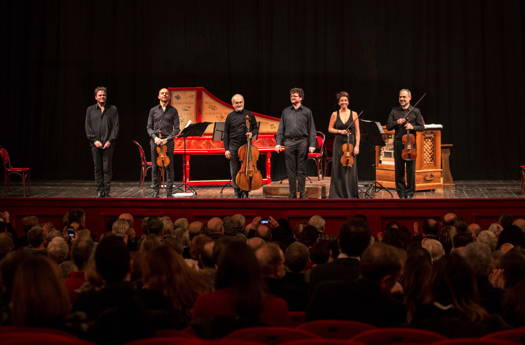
point(116, 310)
point(353, 240)
point(368, 298)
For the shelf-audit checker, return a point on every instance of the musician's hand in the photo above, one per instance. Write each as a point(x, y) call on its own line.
point(249, 135)
point(401, 120)
point(97, 144)
point(343, 131)
point(157, 140)
point(356, 150)
point(163, 141)
point(311, 149)
point(278, 148)
point(227, 154)
point(106, 145)
point(409, 126)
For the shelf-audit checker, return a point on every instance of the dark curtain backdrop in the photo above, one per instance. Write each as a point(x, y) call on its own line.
point(467, 55)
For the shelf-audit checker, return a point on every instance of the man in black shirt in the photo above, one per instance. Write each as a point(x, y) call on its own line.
point(163, 126)
point(102, 130)
point(235, 135)
point(404, 118)
point(297, 133)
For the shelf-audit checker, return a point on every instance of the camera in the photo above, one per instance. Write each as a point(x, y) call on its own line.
point(70, 232)
point(264, 221)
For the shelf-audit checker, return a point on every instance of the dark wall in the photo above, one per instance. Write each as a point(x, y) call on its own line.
point(467, 55)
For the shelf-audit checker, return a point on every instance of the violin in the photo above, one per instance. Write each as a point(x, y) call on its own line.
point(347, 158)
point(162, 158)
point(409, 152)
point(249, 177)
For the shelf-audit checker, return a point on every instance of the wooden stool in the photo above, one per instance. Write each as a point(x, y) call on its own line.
point(523, 179)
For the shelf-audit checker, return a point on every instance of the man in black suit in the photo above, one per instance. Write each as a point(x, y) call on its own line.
point(367, 299)
point(353, 239)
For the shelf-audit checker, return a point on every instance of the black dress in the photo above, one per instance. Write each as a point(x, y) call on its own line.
point(343, 183)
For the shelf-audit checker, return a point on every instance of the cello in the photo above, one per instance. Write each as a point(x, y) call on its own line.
point(347, 158)
point(248, 178)
point(409, 152)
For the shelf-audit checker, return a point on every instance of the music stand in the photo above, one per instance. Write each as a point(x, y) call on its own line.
point(193, 130)
point(371, 134)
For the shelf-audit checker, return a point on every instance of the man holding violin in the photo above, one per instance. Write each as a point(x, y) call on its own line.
point(163, 127)
point(235, 135)
point(404, 118)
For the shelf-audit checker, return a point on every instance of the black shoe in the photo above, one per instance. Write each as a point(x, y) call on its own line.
point(409, 196)
point(169, 194)
point(101, 194)
point(401, 195)
point(302, 196)
point(156, 194)
point(292, 196)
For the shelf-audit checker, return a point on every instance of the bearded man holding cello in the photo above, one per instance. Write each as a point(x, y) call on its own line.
point(163, 126)
point(236, 135)
point(406, 120)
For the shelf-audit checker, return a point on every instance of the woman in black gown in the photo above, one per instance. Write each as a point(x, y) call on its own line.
point(343, 183)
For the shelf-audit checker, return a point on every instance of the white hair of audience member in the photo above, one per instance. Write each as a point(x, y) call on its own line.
point(120, 227)
point(58, 249)
point(238, 220)
point(479, 257)
point(168, 226)
point(318, 222)
point(434, 248)
point(495, 228)
point(181, 223)
point(489, 238)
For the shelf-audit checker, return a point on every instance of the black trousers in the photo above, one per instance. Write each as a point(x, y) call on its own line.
point(102, 160)
point(235, 165)
point(155, 170)
point(404, 189)
point(296, 156)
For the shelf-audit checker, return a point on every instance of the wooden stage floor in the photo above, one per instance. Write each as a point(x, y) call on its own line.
point(127, 189)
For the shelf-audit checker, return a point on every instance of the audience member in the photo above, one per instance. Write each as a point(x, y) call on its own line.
point(513, 305)
point(35, 240)
point(195, 228)
point(434, 248)
point(367, 299)
point(487, 237)
point(239, 299)
point(293, 287)
point(81, 251)
point(416, 280)
point(215, 228)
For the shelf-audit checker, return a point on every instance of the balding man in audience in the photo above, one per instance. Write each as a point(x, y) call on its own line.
point(215, 227)
point(271, 259)
point(195, 228)
point(520, 223)
point(449, 218)
point(474, 229)
point(367, 299)
point(320, 224)
point(255, 242)
point(127, 217)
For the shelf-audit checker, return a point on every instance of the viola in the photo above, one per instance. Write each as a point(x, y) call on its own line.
point(162, 158)
point(249, 177)
point(347, 158)
point(409, 152)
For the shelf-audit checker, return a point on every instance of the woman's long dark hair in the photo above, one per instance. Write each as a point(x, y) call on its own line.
point(239, 270)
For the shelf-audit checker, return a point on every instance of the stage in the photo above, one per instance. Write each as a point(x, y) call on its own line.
point(130, 189)
point(476, 201)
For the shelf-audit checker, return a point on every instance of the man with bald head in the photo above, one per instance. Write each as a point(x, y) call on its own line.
point(163, 126)
point(235, 135)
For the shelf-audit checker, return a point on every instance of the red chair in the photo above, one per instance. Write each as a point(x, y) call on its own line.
point(29, 337)
point(322, 342)
point(475, 341)
point(9, 170)
point(386, 336)
point(144, 164)
point(516, 335)
point(271, 335)
point(296, 317)
point(317, 156)
point(168, 341)
point(336, 329)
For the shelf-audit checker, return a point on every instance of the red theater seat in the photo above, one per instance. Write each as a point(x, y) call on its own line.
point(336, 329)
point(516, 335)
point(271, 335)
point(386, 336)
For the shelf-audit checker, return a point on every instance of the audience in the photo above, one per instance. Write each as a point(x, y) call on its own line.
point(454, 278)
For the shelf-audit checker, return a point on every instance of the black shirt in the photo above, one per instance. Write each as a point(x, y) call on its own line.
point(235, 129)
point(296, 123)
point(102, 125)
point(165, 121)
point(415, 118)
